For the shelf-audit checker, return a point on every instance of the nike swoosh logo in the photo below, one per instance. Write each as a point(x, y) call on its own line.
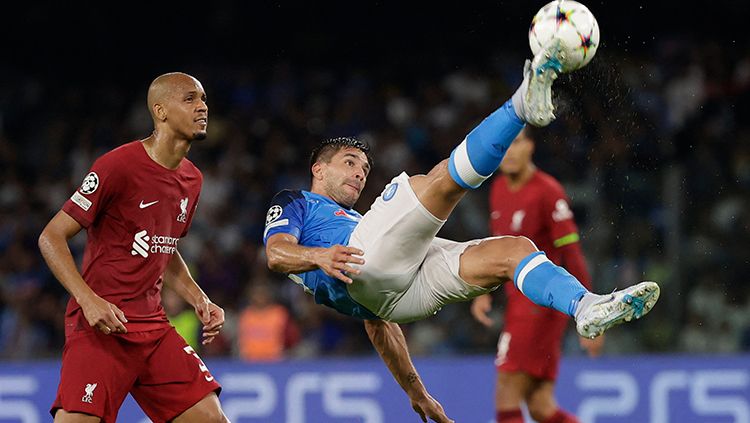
point(144, 205)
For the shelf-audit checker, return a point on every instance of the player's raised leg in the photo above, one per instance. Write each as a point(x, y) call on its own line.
point(496, 260)
point(480, 153)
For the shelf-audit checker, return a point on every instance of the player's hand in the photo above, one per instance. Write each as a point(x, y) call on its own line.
point(480, 309)
point(594, 346)
point(334, 261)
point(428, 408)
point(103, 315)
point(212, 317)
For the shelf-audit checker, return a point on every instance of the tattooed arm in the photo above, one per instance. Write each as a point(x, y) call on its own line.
point(390, 343)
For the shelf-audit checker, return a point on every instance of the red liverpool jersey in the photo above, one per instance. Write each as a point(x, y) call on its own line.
point(540, 211)
point(135, 211)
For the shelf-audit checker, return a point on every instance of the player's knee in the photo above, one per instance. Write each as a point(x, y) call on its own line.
point(540, 412)
point(541, 404)
point(524, 246)
point(212, 416)
point(207, 410)
point(510, 250)
point(537, 414)
point(440, 169)
point(440, 178)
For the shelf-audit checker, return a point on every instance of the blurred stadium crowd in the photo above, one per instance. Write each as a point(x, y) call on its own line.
point(654, 152)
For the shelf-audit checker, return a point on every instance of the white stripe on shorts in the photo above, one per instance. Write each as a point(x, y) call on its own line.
point(464, 168)
point(531, 265)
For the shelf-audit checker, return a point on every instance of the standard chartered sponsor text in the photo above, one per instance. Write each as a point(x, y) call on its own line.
point(163, 244)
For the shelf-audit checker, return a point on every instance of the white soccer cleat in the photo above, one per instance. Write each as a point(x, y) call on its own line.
point(620, 306)
point(538, 76)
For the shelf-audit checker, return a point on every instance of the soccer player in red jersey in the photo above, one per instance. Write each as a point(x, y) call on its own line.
point(136, 203)
point(529, 202)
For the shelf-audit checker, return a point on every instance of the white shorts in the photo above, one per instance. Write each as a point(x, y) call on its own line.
point(408, 274)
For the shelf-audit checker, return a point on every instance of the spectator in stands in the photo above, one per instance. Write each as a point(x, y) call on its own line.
point(266, 330)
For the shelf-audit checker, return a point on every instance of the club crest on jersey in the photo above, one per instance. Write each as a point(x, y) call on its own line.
point(390, 191)
point(517, 220)
point(182, 217)
point(90, 183)
point(562, 211)
point(89, 389)
point(273, 213)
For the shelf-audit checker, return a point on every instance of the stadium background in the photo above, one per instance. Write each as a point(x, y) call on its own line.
point(652, 143)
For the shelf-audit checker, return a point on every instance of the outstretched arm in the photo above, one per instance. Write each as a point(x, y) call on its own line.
point(390, 343)
point(177, 276)
point(285, 255)
point(53, 244)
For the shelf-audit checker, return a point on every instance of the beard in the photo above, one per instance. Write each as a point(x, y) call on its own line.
point(200, 136)
point(341, 195)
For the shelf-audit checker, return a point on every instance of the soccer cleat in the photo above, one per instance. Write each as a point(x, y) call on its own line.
point(621, 306)
point(539, 74)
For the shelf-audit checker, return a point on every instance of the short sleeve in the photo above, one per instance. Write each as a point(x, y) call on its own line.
point(563, 229)
point(286, 214)
point(91, 199)
point(190, 216)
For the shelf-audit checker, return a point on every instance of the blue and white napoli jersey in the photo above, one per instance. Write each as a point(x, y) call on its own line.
point(316, 221)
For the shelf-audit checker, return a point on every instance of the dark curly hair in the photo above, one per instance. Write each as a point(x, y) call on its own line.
point(326, 149)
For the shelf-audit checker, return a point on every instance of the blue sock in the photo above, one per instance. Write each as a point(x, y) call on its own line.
point(480, 153)
point(547, 284)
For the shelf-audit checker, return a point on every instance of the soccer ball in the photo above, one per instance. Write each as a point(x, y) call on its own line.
point(573, 24)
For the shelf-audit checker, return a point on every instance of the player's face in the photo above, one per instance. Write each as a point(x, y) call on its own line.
point(518, 156)
point(188, 111)
point(345, 175)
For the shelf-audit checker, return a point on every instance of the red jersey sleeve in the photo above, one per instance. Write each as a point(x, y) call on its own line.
point(564, 234)
point(575, 263)
point(190, 216)
point(559, 217)
point(97, 190)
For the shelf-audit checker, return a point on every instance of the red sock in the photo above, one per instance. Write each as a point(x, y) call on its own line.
point(509, 416)
point(561, 416)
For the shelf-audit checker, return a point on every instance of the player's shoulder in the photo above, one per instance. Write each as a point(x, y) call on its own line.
point(189, 168)
point(288, 196)
point(549, 182)
point(112, 161)
point(127, 150)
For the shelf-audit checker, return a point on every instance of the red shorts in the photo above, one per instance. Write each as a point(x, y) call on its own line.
point(162, 373)
point(530, 343)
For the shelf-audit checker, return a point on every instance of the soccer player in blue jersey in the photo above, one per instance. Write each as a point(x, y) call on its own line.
point(388, 266)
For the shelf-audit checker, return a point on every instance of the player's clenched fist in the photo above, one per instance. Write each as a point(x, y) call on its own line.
point(335, 260)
